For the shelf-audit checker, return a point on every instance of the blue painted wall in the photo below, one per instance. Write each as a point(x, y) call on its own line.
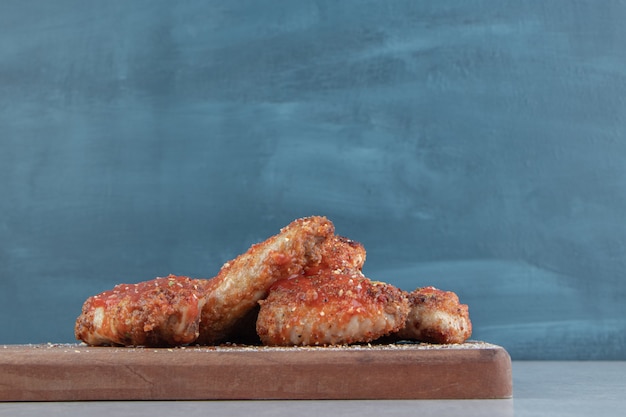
point(478, 146)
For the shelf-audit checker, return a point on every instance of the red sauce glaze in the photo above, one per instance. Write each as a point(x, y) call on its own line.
point(280, 258)
point(162, 311)
point(325, 286)
point(313, 270)
point(135, 293)
point(330, 307)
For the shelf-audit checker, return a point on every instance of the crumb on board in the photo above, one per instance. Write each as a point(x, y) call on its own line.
point(231, 347)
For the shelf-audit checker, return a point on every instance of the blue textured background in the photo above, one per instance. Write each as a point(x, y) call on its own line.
point(477, 146)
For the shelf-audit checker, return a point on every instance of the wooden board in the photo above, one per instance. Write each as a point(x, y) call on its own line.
point(71, 372)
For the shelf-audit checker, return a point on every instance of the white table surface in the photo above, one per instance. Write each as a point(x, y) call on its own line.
point(540, 388)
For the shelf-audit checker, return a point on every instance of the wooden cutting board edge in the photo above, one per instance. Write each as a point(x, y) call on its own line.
point(71, 372)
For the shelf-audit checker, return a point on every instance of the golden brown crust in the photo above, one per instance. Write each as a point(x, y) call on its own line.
point(242, 282)
point(302, 286)
point(330, 308)
point(159, 312)
point(436, 316)
point(339, 254)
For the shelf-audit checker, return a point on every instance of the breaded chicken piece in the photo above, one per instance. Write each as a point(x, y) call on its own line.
point(436, 316)
point(330, 308)
point(339, 254)
point(241, 283)
point(159, 312)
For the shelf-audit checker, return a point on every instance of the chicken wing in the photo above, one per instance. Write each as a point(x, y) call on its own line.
point(160, 312)
point(330, 308)
point(241, 283)
point(436, 316)
point(339, 253)
point(302, 286)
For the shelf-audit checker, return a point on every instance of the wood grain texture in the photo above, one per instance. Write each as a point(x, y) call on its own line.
point(411, 371)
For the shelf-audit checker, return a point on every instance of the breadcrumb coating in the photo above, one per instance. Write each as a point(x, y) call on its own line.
point(159, 312)
point(436, 316)
point(330, 308)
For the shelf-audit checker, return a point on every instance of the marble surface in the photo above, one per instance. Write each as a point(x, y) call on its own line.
point(554, 388)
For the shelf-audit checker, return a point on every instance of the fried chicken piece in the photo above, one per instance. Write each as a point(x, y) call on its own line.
point(241, 283)
point(339, 254)
point(330, 308)
point(436, 316)
point(159, 312)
